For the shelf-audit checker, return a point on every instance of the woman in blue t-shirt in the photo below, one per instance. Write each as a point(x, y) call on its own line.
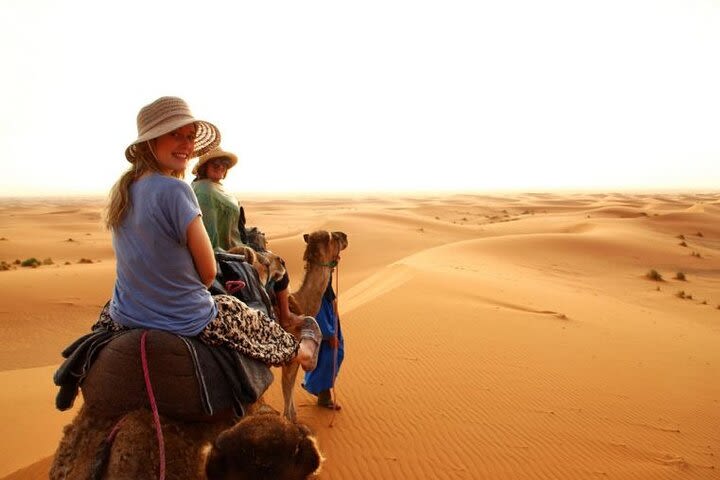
point(165, 260)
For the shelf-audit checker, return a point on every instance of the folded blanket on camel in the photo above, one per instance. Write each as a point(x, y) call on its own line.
point(191, 381)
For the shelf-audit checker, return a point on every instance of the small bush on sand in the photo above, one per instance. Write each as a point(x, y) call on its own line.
point(680, 294)
point(683, 244)
point(48, 261)
point(680, 276)
point(699, 234)
point(5, 266)
point(681, 237)
point(696, 254)
point(654, 275)
point(30, 262)
point(85, 260)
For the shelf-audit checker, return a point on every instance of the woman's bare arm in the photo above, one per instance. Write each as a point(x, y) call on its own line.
point(201, 251)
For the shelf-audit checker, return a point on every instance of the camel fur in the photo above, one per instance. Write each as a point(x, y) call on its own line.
point(259, 446)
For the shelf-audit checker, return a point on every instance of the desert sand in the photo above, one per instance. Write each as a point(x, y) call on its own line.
point(507, 336)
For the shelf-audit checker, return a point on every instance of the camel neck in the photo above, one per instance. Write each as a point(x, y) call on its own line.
point(313, 286)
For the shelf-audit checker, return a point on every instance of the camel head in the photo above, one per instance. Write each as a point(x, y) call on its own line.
point(323, 247)
point(268, 265)
point(264, 447)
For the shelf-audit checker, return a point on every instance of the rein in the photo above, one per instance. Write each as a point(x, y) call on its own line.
point(153, 405)
point(336, 350)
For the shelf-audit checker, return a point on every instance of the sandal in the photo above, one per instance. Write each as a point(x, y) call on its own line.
point(310, 330)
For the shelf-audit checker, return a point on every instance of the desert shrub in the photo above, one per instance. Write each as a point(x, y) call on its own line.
point(48, 261)
point(696, 254)
point(30, 262)
point(5, 266)
point(680, 294)
point(680, 276)
point(681, 237)
point(683, 244)
point(85, 260)
point(699, 234)
point(654, 275)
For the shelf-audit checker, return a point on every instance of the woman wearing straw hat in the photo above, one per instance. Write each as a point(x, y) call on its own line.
point(220, 210)
point(165, 260)
point(221, 217)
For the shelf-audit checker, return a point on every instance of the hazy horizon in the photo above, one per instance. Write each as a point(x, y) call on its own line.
point(388, 96)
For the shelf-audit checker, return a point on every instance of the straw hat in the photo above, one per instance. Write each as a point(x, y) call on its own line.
point(167, 114)
point(216, 153)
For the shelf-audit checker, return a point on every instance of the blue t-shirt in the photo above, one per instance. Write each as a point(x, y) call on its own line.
point(157, 285)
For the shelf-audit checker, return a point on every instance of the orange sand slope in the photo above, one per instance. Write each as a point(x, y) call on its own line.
point(504, 337)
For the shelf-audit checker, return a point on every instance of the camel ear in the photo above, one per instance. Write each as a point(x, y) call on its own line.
point(305, 237)
point(307, 456)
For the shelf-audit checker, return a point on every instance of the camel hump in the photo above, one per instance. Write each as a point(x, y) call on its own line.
point(185, 387)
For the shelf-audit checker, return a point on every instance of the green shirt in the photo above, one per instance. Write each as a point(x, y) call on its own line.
point(220, 213)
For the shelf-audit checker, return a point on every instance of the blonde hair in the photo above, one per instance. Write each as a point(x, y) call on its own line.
point(120, 203)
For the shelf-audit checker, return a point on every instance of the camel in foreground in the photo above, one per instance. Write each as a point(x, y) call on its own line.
point(261, 446)
point(322, 253)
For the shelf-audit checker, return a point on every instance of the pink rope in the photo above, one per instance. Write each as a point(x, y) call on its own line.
point(153, 405)
point(113, 433)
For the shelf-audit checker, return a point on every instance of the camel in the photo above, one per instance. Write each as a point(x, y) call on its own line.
point(134, 451)
point(269, 266)
point(260, 446)
point(321, 256)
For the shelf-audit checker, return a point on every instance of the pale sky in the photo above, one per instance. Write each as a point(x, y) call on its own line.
point(328, 96)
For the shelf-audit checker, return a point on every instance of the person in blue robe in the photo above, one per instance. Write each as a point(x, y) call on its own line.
point(320, 381)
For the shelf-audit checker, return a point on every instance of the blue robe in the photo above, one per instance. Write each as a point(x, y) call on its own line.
point(322, 377)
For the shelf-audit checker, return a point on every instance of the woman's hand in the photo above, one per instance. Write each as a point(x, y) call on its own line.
point(201, 251)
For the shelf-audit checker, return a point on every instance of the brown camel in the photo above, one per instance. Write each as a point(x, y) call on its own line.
point(268, 265)
point(134, 451)
point(259, 446)
point(321, 256)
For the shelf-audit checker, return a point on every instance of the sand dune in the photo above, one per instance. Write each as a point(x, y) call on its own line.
point(488, 336)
